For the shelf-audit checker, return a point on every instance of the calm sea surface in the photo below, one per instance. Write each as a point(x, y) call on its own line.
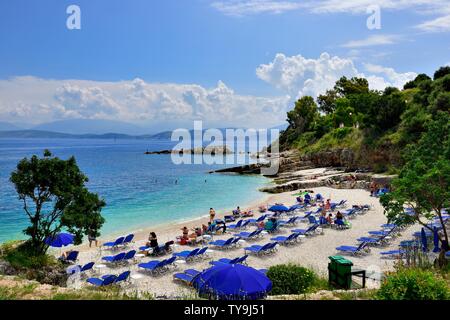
point(140, 190)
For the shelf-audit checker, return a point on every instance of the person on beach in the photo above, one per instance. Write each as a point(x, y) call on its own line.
point(237, 212)
point(330, 218)
point(184, 239)
point(222, 226)
point(152, 241)
point(269, 225)
point(327, 206)
point(92, 237)
point(247, 214)
point(212, 214)
point(261, 225)
point(339, 219)
point(373, 188)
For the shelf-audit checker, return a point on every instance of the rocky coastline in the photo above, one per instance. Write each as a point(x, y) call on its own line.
point(335, 169)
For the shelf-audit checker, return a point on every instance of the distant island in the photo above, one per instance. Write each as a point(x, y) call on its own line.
point(38, 134)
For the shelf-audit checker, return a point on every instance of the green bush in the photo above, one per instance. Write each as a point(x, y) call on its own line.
point(22, 256)
point(290, 279)
point(413, 284)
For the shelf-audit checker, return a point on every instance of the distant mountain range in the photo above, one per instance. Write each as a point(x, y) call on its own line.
point(88, 129)
point(6, 126)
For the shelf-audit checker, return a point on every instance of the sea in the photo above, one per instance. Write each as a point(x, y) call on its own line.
point(140, 190)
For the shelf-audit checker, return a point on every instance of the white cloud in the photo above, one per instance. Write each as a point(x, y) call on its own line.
point(299, 76)
point(439, 8)
point(250, 7)
point(387, 77)
point(440, 24)
point(41, 100)
point(371, 41)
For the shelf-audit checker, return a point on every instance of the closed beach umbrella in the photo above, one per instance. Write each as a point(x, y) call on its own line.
point(278, 208)
point(436, 240)
point(60, 240)
point(424, 240)
point(232, 282)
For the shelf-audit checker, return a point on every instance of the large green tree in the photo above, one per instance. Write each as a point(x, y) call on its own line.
point(302, 117)
point(423, 182)
point(55, 197)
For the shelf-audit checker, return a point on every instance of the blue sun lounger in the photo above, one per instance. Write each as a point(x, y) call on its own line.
point(102, 282)
point(305, 232)
point(393, 254)
point(129, 256)
point(187, 255)
point(349, 213)
point(374, 241)
point(114, 244)
point(249, 235)
point(242, 224)
point(82, 269)
point(265, 249)
point(361, 249)
point(183, 277)
point(238, 225)
point(114, 259)
point(292, 238)
point(72, 257)
point(124, 276)
point(238, 260)
point(187, 276)
point(255, 221)
point(202, 253)
point(156, 266)
point(223, 243)
point(128, 239)
point(292, 221)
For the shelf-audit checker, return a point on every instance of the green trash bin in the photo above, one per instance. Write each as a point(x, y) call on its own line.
point(333, 269)
point(344, 273)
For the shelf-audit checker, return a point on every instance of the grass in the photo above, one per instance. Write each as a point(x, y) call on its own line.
point(22, 291)
point(367, 294)
point(18, 255)
point(336, 139)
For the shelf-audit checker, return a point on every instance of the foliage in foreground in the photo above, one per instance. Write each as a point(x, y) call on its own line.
point(293, 279)
point(423, 182)
point(413, 284)
point(21, 256)
point(25, 291)
point(55, 197)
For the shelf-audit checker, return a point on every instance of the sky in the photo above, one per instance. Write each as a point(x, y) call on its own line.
point(228, 63)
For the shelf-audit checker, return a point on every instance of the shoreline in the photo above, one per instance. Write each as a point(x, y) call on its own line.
point(141, 234)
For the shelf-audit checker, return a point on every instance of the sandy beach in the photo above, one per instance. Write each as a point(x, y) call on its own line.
point(312, 251)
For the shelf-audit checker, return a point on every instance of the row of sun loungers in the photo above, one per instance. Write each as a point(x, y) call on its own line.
point(375, 238)
point(120, 258)
point(107, 280)
point(119, 242)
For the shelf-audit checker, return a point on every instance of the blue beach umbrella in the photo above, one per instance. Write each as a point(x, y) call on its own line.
point(278, 208)
point(424, 240)
point(436, 240)
point(232, 282)
point(60, 240)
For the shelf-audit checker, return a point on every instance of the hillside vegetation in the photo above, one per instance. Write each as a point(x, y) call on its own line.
point(376, 125)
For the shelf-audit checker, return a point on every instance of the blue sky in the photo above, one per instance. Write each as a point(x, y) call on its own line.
point(160, 47)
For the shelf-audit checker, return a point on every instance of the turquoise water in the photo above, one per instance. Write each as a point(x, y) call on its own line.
point(140, 190)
